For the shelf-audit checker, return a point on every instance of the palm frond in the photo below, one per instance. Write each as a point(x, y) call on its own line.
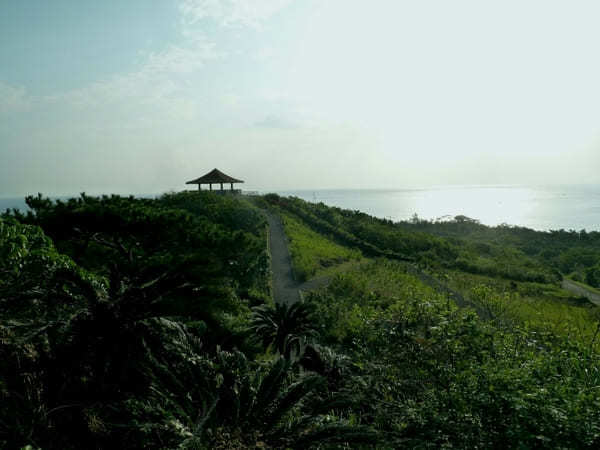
point(341, 434)
point(291, 396)
point(269, 388)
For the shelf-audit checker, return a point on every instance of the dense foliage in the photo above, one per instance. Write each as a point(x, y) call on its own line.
point(384, 238)
point(430, 375)
point(312, 253)
point(544, 307)
point(149, 323)
point(103, 322)
point(565, 251)
point(126, 324)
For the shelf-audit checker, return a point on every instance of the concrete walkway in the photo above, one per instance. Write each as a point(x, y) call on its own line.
point(285, 286)
point(287, 290)
point(577, 289)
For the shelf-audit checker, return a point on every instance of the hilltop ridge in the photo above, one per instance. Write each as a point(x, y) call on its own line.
point(151, 323)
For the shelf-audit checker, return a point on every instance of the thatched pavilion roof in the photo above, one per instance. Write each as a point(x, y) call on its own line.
point(215, 176)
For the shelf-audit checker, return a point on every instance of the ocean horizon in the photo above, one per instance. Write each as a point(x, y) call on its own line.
point(571, 207)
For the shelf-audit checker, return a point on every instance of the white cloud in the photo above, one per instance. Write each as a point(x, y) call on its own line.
point(231, 99)
point(182, 59)
point(164, 78)
point(277, 121)
point(264, 54)
point(13, 98)
point(231, 13)
point(157, 80)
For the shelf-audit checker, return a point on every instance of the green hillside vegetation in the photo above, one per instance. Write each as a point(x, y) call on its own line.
point(490, 269)
point(149, 323)
point(571, 251)
point(312, 253)
point(428, 374)
point(382, 237)
point(542, 307)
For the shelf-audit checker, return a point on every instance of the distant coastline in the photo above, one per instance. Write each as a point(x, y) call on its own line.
point(542, 208)
point(10, 203)
point(569, 207)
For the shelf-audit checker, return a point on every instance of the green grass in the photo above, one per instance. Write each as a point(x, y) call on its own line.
point(371, 291)
point(539, 306)
point(439, 377)
point(343, 267)
point(312, 253)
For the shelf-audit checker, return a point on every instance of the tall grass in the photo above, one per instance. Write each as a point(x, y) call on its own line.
point(312, 253)
point(543, 307)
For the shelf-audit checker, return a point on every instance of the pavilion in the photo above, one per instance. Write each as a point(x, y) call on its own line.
point(215, 176)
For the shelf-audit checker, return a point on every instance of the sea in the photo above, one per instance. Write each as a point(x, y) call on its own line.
point(572, 207)
point(538, 207)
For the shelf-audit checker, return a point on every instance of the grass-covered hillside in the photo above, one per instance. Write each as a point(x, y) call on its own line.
point(150, 323)
point(487, 269)
point(381, 237)
point(314, 254)
point(570, 252)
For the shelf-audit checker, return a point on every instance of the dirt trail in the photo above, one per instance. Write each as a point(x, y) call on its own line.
point(286, 289)
point(285, 286)
point(577, 289)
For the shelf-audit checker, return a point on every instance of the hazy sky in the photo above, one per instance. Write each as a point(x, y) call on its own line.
point(143, 95)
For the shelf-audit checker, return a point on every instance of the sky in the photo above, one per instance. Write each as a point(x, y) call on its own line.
point(141, 96)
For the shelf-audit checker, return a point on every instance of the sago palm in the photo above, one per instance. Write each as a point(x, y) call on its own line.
point(286, 327)
point(272, 406)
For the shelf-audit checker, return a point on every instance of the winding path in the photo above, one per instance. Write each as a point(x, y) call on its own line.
point(578, 289)
point(287, 290)
point(285, 286)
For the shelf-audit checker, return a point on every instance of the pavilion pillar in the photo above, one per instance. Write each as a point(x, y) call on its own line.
point(210, 186)
point(232, 186)
point(221, 186)
point(199, 187)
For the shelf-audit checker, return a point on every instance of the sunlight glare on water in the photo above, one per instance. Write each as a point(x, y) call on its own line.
point(489, 205)
point(540, 208)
